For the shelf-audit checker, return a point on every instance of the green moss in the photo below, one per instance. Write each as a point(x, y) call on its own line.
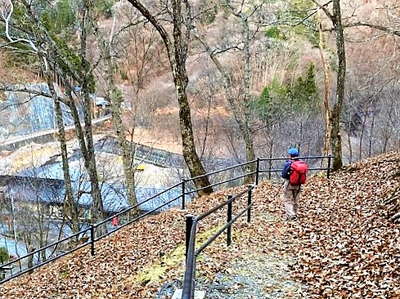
point(64, 274)
point(4, 256)
point(156, 271)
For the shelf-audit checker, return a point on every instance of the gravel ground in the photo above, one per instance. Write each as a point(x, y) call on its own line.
point(256, 273)
point(254, 276)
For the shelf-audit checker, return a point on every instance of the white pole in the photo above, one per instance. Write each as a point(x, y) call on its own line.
point(13, 220)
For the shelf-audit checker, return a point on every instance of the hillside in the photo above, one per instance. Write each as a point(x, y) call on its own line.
point(146, 83)
point(342, 246)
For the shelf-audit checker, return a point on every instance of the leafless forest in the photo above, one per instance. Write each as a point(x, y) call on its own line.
point(207, 80)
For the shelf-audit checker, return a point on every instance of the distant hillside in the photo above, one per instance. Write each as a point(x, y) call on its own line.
point(14, 71)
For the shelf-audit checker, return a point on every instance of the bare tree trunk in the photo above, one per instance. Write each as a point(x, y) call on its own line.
point(350, 145)
point(180, 50)
point(371, 135)
point(70, 206)
point(88, 157)
point(116, 99)
point(386, 138)
point(360, 150)
point(189, 150)
point(336, 139)
point(335, 112)
point(247, 133)
point(271, 154)
point(97, 206)
point(177, 50)
point(327, 85)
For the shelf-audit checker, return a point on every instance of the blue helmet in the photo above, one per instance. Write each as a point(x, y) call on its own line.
point(294, 152)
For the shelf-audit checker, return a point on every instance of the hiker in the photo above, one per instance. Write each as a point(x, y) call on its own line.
point(294, 172)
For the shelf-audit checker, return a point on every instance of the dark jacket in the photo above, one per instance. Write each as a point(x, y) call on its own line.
point(286, 168)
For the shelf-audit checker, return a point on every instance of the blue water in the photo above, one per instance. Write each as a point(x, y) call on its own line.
point(13, 250)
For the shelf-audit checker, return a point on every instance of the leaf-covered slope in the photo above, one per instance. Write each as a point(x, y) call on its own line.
point(343, 245)
point(347, 248)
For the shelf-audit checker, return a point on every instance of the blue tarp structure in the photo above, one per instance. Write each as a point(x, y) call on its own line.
point(113, 194)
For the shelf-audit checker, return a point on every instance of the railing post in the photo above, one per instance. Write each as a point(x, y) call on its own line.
point(183, 194)
point(189, 224)
point(257, 170)
point(250, 187)
point(269, 167)
point(328, 171)
point(229, 218)
point(92, 239)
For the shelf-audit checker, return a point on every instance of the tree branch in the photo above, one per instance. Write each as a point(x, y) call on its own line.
point(11, 88)
point(325, 9)
point(377, 27)
point(160, 29)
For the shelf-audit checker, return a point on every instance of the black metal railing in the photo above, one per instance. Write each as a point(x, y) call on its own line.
point(92, 233)
point(191, 228)
point(192, 221)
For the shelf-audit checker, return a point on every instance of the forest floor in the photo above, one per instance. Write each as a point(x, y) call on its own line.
point(341, 246)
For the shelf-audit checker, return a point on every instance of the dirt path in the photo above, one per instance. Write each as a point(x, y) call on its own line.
point(257, 264)
point(254, 276)
point(261, 272)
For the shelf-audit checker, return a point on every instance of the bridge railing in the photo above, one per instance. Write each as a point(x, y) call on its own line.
point(95, 232)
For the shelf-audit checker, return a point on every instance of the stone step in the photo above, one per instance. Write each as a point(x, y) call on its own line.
point(197, 294)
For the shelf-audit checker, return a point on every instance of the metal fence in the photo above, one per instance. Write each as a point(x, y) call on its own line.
point(95, 232)
point(191, 229)
point(192, 221)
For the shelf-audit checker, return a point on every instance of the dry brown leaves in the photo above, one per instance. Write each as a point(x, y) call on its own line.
point(344, 244)
point(347, 247)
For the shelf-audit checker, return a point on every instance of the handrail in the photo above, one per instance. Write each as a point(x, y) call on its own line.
point(219, 232)
point(44, 262)
point(301, 158)
point(206, 214)
point(137, 218)
point(180, 186)
point(221, 170)
point(191, 226)
point(279, 170)
point(45, 247)
point(188, 288)
point(220, 183)
point(139, 204)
